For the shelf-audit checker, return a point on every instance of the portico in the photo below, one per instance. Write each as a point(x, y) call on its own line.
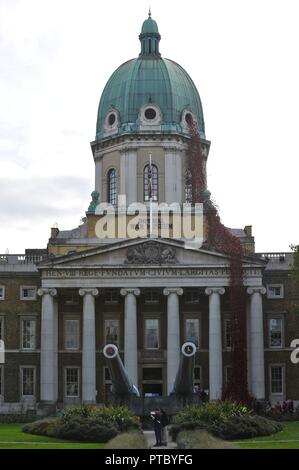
point(89, 275)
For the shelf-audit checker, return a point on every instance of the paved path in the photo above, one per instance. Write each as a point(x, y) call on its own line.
point(150, 437)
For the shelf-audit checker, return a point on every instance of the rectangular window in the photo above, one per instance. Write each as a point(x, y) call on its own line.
point(112, 332)
point(227, 333)
point(28, 293)
point(276, 379)
point(71, 334)
point(2, 292)
point(192, 296)
point(152, 373)
point(151, 334)
point(71, 299)
point(275, 332)
point(28, 381)
point(275, 291)
point(111, 296)
point(1, 381)
point(192, 330)
point(28, 334)
point(151, 297)
point(72, 382)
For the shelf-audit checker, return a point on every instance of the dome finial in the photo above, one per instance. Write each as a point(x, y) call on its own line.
point(150, 37)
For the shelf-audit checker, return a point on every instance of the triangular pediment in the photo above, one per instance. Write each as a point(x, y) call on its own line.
point(140, 252)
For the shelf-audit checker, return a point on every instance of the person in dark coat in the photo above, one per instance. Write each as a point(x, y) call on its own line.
point(157, 418)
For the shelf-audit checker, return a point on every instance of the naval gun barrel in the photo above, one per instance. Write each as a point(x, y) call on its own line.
point(122, 384)
point(184, 382)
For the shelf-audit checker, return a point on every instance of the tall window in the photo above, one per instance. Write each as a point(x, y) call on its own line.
point(227, 333)
point(71, 334)
point(112, 332)
point(276, 376)
point(151, 334)
point(2, 292)
point(28, 381)
point(192, 330)
point(28, 334)
point(71, 382)
point(150, 183)
point(275, 332)
point(188, 186)
point(111, 184)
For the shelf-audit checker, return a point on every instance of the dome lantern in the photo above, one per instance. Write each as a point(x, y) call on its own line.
point(149, 38)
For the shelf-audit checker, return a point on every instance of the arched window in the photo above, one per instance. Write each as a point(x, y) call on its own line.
point(111, 185)
point(150, 183)
point(188, 186)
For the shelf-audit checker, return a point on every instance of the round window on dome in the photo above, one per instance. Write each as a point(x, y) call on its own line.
point(188, 118)
point(150, 113)
point(111, 119)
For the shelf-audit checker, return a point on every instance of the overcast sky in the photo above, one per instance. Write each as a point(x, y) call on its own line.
point(55, 58)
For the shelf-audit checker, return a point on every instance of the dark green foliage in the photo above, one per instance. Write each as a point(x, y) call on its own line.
point(86, 424)
point(242, 427)
point(227, 420)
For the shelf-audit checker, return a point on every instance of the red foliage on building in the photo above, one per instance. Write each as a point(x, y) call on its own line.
point(221, 239)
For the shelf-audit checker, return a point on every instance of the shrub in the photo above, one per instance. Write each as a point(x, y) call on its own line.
point(119, 417)
point(128, 440)
point(40, 427)
point(85, 429)
point(242, 427)
point(227, 420)
point(212, 412)
point(201, 440)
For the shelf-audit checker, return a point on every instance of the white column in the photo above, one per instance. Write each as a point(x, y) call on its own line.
point(128, 174)
point(48, 354)
point(256, 335)
point(173, 175)
point(89, 346)
point(173, 334)
point(98, 176)
point(130, 346)
point(215, 343)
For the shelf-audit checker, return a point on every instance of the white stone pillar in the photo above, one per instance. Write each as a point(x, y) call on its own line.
point(256, 335)
point(215, 343)
point(98, 176)
point(173, 334)
point(89, 346)
point(173, 175)
point(128, 174)
point(130, 346)
point(48, 353)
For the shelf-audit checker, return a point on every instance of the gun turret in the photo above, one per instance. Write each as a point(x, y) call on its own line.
point(184, 382)
point(122, 384)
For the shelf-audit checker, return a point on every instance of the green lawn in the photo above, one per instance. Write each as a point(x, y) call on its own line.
point(286, 439)
point(12, 437)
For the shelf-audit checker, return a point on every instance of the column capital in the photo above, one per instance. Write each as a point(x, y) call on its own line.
point(84, 291)
point(256, 290)
point(133, 291)
point(214, 290)
point(173, 290)
point(42, 291)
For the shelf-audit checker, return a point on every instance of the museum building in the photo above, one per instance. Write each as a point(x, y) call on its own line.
point(148, 295)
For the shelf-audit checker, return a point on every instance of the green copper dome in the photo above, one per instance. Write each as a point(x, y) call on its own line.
point(148, 81)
